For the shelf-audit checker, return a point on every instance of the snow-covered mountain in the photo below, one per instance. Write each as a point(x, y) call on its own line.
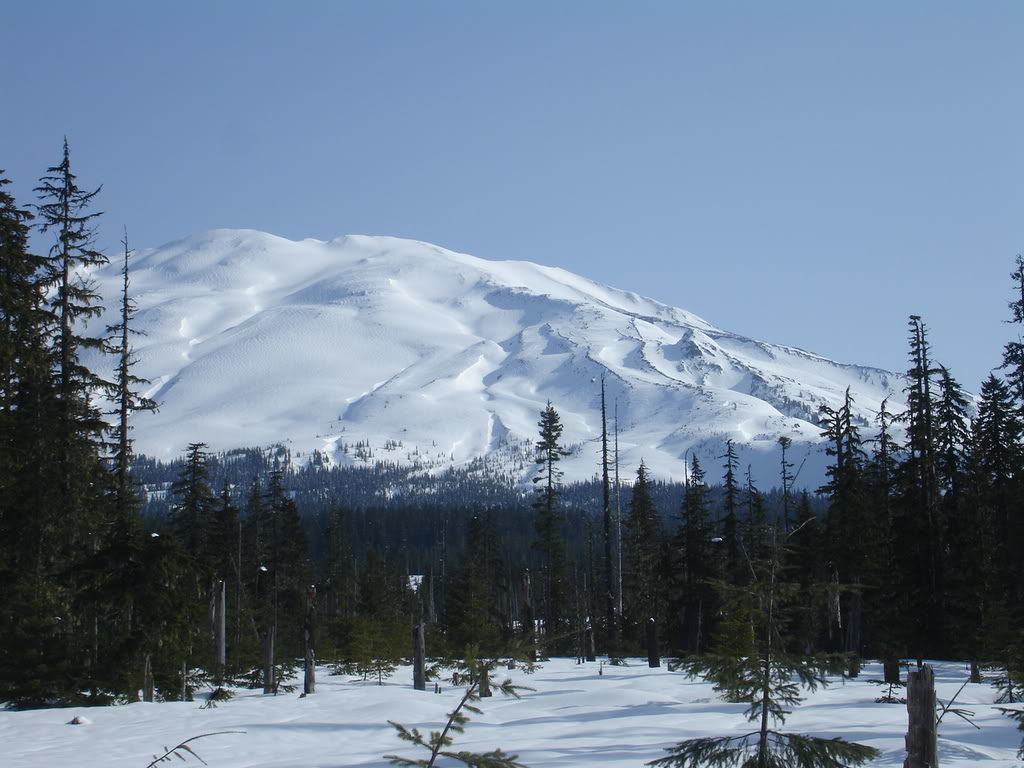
point(386, 349)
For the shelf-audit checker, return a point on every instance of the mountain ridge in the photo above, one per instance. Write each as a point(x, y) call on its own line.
point(253, 339)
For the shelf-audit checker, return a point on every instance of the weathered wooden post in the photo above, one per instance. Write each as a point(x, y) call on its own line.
point(922, 732)
point(419, 678)
point(653, 657)
point(590, 653)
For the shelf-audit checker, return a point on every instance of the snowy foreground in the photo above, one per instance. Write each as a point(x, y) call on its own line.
point(574, 717)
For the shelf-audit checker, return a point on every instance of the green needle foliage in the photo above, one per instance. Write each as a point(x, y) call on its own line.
point(437, 742)
point(750, 663)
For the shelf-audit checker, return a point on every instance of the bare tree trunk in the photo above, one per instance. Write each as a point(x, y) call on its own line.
point(184, 682)
point(309, 638)
point(220, 629)
point(484, 687)
point(529, 620)
point(147, 678)
point(419, 679)
point(891, 669)
point(975, 671)
point(268, 660)
point(922, 732)
point(591, 653)
point(653, 657)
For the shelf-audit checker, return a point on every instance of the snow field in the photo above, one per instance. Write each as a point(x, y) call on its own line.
point(574, 717)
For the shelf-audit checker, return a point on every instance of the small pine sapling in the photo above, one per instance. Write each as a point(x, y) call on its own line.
point(750, 664)
point(892, 692)
point(437, 742)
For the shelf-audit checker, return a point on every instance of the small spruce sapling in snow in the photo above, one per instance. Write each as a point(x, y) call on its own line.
point(750, 664)
point(437, 742)
point(891, 695)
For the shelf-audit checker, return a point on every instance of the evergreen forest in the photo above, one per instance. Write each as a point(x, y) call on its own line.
point(121, 575)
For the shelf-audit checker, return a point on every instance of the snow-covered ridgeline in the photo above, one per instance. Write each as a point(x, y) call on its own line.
point(252, 339)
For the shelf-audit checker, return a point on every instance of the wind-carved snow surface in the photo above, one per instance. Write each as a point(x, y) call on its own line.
point(252, 339)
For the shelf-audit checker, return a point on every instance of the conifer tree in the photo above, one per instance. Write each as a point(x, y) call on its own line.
point(24, 367)
point(692, 547)
point(847, 518)
point(952, 433)
point(997, 463)
point(730, 506)
point(64, 210)
point(886, 602)
point(470, 611)
point(192, 513)
point(288, 566)
point(550, 543)
point(961, 541)
point(753, 666)
point(816, 623)
point(919, 526)
point(336, 592)
point(127, 399)
point(755, 523)
point(644, 553)
point(1013, 352)
point(56, 495)
point(35, 667)
point(21, 294)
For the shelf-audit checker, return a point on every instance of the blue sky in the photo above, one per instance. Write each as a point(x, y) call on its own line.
point(805, 173)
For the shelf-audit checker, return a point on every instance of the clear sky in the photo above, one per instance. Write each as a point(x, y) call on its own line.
point(807, 173)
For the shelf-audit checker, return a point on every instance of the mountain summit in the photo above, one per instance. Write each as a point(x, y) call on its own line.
point(376, 348)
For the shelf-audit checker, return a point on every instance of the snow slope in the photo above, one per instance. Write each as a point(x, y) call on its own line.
point(574, 718)
point(252, 339)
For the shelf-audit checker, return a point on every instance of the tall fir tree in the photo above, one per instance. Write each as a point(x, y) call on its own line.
point(472, 617)
point(730, 507)
point(695, 564)
point(64, 210)
point(547, 507)
point(192, 511)
point(919, 525)
point(645, 536)
point(847, 519)
point(127, 399)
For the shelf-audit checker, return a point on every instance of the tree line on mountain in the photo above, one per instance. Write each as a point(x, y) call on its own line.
point(906, 551)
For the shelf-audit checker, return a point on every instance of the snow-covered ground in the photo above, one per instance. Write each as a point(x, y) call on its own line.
point(574, 717)
point(253, 339)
